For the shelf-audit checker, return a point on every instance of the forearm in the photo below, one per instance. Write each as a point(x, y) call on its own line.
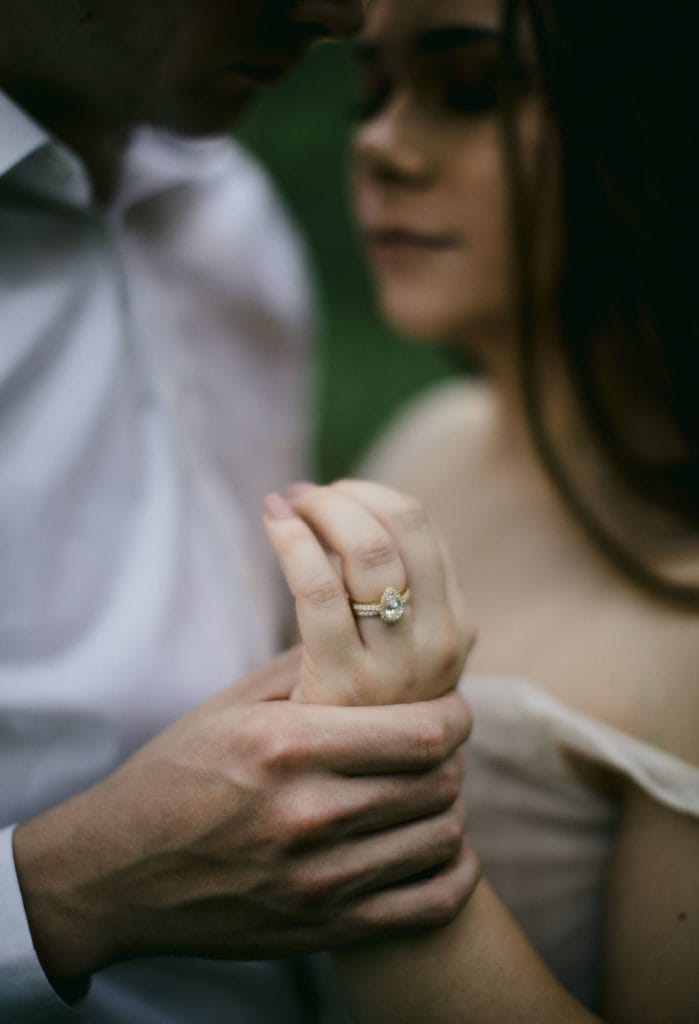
point(478, 970)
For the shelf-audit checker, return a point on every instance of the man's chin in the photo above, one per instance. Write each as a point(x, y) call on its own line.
point(205, 119)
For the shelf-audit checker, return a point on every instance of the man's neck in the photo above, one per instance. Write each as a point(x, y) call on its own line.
point(101, 150)
point(99, 145)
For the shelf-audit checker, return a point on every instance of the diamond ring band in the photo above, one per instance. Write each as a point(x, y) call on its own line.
point(390, 609)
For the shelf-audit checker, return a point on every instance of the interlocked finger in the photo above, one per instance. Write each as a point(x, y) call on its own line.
point(443, 628)
point(370, 561)
point(330, 639)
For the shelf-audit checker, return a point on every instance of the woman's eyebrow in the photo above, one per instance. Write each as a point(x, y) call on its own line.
point(433, 41)
point(453, 37)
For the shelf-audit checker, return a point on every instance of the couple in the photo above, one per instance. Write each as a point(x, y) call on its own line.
point(524, 179)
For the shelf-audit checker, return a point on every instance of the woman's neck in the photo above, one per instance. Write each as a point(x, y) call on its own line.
point(639, 523)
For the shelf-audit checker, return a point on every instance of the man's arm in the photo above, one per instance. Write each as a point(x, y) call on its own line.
point(253, 828)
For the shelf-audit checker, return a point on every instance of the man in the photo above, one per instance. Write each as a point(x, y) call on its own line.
point(153, 315)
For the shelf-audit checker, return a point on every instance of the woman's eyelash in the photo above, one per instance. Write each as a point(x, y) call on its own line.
point(457, 97)
point(474, 98)
point(470, 92)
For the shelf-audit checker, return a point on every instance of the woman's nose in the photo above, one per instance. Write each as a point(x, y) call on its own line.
point(390, 147)
point(338, 19)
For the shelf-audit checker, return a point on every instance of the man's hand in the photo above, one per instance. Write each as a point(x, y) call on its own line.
point(255, 827)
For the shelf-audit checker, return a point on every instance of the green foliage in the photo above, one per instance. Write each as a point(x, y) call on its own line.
point(300, 130)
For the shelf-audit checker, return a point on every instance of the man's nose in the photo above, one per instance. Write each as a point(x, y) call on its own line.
point(338, 19)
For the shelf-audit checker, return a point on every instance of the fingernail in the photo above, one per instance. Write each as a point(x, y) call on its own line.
point(298, 490)
point(277, 508)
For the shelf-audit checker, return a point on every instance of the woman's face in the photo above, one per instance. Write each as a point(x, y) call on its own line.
point(429, 176)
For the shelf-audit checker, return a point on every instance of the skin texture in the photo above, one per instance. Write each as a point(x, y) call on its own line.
point(168, 62)
point(92, 69)
point(549, 606)
point(289, 822)
point(422, 168)
point(377, 537)
point(290, 819)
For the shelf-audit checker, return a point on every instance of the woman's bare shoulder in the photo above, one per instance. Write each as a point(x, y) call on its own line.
point(440, 423)
point(672, 713)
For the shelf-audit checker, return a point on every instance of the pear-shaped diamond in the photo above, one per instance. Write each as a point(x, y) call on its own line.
point(392, 605)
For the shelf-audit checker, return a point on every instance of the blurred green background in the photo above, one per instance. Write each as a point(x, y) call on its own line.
point(300, 129)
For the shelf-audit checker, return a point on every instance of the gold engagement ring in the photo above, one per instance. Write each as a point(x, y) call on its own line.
point(391, 607)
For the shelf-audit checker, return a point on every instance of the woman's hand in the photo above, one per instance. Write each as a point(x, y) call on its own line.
point(348, 542)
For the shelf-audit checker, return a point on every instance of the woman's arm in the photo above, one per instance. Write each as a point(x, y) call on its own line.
point(481, 969)
point(652, 932)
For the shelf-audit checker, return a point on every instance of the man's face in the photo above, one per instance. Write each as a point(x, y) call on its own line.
point(190, 65)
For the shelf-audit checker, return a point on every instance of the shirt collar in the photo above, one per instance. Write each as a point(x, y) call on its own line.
point(157, 161)
point(154, 162)
point(20, 136)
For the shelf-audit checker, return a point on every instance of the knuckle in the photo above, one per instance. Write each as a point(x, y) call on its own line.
point(460, 718)
point(450, 836)
point(460, 811)
point(444, 905)
point(451, 655)
point(310, 817)
point(312, 821)
point(467, 634)
point(304, 893)
point(441, 658)
point(323, 591)
point(283, 750)
point(373, 553)
point(313, 888)
point(430, 742)
point(409, 513)
point(450, 778)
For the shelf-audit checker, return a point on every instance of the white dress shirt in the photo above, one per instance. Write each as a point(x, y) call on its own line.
point(152, 390)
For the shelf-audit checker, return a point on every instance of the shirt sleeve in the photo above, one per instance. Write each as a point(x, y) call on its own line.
point(25, 992)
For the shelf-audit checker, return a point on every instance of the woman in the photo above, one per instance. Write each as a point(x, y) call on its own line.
point(525, 181)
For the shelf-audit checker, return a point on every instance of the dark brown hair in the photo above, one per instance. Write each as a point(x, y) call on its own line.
point(621, 82)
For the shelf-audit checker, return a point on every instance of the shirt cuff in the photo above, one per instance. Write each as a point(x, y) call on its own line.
point(25, 992)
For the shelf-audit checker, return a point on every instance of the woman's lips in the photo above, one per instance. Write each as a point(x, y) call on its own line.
point(397, 241)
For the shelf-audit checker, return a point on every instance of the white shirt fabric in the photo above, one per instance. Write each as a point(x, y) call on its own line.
point(152, 390)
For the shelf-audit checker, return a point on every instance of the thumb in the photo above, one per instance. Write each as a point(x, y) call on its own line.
point(273, 681)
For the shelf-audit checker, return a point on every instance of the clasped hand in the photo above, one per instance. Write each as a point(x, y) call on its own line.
point(260, 826)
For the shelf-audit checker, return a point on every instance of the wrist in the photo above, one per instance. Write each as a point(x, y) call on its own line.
point(55, 861)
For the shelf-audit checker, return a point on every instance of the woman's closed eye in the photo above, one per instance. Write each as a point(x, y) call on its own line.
point(470, 90)
point(450, 94)
point(467, 83)
point(472, 81)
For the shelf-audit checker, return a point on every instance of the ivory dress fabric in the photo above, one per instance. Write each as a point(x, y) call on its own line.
point(544, 836)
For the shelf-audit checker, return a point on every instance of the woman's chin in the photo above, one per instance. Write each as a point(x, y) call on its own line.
point(418, 319)
point(474, 324)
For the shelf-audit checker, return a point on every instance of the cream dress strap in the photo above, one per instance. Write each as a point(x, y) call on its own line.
point(533, 724)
